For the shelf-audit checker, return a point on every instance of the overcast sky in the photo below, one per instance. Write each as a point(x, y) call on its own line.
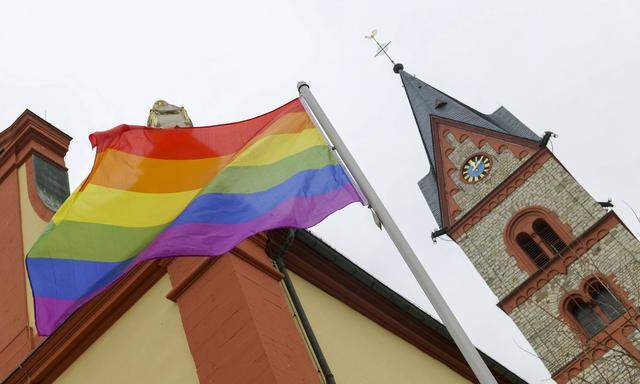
point(567, 66)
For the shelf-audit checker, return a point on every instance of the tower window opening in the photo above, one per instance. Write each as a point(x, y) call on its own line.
point(586, 316)
point(533, 250)
point(549, 236)
point(595, 306)
point(610, 306)
point(536, 238)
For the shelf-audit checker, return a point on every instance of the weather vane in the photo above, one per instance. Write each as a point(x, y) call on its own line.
point(382, 48)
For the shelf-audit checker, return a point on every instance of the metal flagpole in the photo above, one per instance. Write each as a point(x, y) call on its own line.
point(435, 297)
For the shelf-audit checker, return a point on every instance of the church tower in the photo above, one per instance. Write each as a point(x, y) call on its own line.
point(564, 268)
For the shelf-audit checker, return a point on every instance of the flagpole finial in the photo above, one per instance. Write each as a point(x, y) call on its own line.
point(302, 84)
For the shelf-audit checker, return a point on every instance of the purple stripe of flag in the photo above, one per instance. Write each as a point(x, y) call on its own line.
point(205, 239)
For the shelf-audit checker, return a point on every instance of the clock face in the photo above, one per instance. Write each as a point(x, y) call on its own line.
point(476, 168)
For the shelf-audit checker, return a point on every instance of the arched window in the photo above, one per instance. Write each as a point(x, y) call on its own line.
point(535, 253)
point(549, 236)
point(605, 300)
point(535, 237)
point(594, 306)
point(585, 315)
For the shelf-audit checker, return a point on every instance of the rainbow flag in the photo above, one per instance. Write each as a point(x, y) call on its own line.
point(156, 193)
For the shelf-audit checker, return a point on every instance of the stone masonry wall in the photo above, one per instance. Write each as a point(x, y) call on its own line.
point(503, 165)
point(539, 319)
point(617, 254)
point(614, 367)
point(551, 187)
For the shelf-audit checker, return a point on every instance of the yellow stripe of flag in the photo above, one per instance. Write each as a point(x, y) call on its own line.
point(102, 205)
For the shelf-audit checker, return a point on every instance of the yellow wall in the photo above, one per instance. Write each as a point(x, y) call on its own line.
point(146, 345)
point(360, 351)
point(32, 227)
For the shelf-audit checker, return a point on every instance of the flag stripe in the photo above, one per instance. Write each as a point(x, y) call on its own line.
point(259, 178)
point(205, 239)
point(273, 148)
point(224, 208)
point(200, 142)
point(115, 243)
point(102, 205)
point(121, 170)
point(71, 279)
point(50, 312)
point(135, 173)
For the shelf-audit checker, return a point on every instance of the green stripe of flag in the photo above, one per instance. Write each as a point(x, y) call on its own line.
point(251, 179)
point(94, 242)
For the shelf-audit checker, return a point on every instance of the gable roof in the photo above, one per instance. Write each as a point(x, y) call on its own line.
point(426, 102)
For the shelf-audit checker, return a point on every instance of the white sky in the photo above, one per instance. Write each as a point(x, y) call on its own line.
point(566, 66)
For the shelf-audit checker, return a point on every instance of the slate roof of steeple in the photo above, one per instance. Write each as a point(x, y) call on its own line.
point(427, 101)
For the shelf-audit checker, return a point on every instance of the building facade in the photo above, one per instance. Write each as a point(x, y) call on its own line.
point(564, 268)
point(205, 320)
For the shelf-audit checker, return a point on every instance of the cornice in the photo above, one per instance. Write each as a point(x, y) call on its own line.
point(181, 286)
point(207, 262)
point(29, 133)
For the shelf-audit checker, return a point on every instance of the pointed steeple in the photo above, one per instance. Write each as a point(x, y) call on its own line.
point(428, 102)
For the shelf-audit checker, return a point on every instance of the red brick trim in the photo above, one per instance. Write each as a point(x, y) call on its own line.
point(582, 294)
point(559, 265)
point(499, 194)
point(16, 153)
point(500, 142)
point(615, 333)
point(523, 222)
point(27, 135)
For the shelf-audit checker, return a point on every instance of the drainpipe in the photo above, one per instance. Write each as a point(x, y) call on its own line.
point(297, 305)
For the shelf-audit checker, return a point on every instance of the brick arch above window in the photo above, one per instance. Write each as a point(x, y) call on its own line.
point(615, 331)
point(534, 236)
point(597, 299)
